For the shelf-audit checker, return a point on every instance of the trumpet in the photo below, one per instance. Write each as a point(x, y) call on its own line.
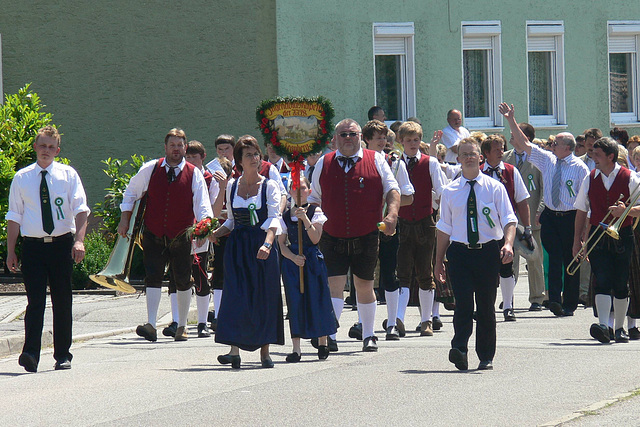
point(603, 228)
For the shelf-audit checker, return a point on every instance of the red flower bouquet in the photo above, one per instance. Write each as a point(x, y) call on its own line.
point(204, 228)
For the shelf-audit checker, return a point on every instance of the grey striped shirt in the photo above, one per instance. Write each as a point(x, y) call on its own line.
point(573, 173)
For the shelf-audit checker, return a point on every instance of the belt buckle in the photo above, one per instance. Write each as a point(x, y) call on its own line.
point(47, 239)
point(476, 246)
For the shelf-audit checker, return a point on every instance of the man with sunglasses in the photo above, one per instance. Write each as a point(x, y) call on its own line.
point(351, 185)
point(562, 176)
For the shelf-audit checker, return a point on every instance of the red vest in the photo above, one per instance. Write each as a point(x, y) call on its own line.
point(169, 205)
point(264, 170)
point(420, 177)
point(600, 199)
point(208, 178)
point(352, 201)
point(508, 181)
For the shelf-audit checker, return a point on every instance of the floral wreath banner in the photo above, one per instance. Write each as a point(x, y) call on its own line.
point(297, 127)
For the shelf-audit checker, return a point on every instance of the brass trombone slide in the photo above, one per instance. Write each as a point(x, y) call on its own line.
point(603, 228)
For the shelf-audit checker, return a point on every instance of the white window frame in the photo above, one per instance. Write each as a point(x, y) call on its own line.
point(397, 38)
point(624, 37)
point(548, 36)
point(485, 35)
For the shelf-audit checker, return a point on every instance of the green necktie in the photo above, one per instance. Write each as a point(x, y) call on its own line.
point(472, 217)
point(45, 205)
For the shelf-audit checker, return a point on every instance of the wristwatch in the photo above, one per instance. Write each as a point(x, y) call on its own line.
point(267, 245)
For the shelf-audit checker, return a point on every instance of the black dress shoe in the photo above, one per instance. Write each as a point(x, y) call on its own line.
point(170, 331)
point(392, 334)
point(399, 326)
point(225, 359)
point(459, 359)
point(323, 352)
point(567, 313)
point(214, 325)
point(333, 344)
point(600, 333)
point(203, 331)
point(612, 334)
point(293, 357)
point(621, 335)
point(501, 305)
point(370, 344)
point(28, 362)
point(419, 327)
point(634, 334)
point(485, 365)
point(436, 324)
point(556, 308)
point(535, 307)
point(62, 364)
point(267, 363)
point(509, 315)
point(356, 331)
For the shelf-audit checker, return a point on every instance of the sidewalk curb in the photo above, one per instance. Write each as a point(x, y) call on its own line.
point(588, 411)
point(12, 344)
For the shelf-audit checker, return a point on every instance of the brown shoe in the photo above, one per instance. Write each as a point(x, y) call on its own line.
point(426, 329)
point(181, 334)
point(147, 332)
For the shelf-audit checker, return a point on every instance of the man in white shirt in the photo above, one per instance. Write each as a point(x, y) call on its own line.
point(48, 206)
point(475, 216)
point(452, 134)
point(176, 195)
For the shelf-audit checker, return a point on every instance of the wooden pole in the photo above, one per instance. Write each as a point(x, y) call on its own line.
point(300, 227)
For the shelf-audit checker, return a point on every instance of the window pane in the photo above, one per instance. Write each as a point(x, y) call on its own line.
point(476, 83)
point(621, 81)
point(389, 85)
point(540, 84)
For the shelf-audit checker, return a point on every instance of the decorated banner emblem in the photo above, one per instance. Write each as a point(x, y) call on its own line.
point(296, 127)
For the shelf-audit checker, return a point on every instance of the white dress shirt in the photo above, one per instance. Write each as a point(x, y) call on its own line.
point(520, 192)
point(139, 183)
point(214, 189)
point(492, 202)
point(451, 137)
point(399, 170)
point(582, 200)
point(66, 194)
point(274, 218)
point(438, 178)
point(573, 174)
point(388, 181)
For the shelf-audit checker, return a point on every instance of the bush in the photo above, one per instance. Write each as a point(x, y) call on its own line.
point(97, 251)
point(120, 172)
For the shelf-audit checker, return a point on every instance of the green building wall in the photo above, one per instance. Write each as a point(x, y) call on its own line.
point(327, 48)
point(117, 75)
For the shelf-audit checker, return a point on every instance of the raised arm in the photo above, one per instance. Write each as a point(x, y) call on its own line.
point(520, 141)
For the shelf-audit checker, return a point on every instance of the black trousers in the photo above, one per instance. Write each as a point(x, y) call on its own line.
point(474, 275)
point(217, 279)
point(556, 234)
point(52, 263)
point(610, 260)
point(388, 258)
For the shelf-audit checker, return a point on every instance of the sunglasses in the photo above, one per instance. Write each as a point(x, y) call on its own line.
point(348, 134)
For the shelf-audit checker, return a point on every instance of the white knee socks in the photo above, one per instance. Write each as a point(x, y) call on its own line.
point(507, 285)
point(153, 302)
point(338, 305)
point(631, 322)
point(392, 306)
point(184, 300)
point(368, 317)
point(173, 298)
point(403, 302)
point(603, 306)
point(436, 309)
point(620, 306)
point(426, 304)
point(202, 302)
point(217, 297)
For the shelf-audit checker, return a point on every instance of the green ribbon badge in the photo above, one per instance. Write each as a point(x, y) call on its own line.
point(58, 201)
point(253, 215)
point(570, 188)
point(487, 212)
point(532, 185)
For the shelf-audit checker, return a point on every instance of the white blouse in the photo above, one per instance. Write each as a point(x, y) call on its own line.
point(318, 218)
point(274, 217)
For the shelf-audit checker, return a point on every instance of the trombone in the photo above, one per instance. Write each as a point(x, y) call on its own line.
point(603, 228)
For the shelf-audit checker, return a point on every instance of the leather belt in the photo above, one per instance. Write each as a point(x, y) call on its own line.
point(47, 239)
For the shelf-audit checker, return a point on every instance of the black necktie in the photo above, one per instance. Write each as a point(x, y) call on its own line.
point(472, 217)
point(490, 171)
point(45, 205)
point(346, 162)
point(412, 162)
point(171, 176)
